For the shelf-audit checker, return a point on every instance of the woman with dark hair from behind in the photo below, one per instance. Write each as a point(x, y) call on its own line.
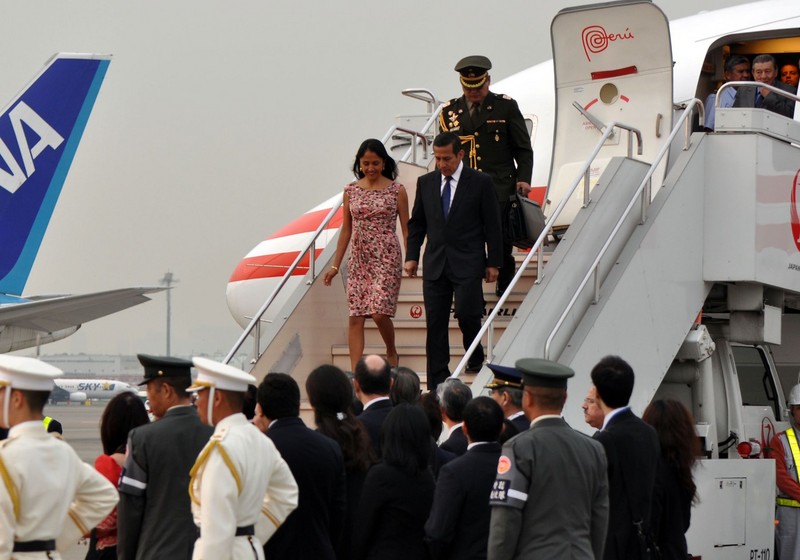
point(675, 489)
point(122, 413)
point(330, 393)
point(398, 493)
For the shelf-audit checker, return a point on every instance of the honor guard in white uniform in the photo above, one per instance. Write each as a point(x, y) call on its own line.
point(49, 498)
point(241, 488)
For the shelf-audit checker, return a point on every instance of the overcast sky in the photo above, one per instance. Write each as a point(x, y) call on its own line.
point(220, 122)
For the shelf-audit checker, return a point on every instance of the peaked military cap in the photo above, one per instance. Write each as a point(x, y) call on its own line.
point(27, 374)
point(537, 372)
point(505, 376)
point(158, 367)
point(221, 376)
point(474, 70)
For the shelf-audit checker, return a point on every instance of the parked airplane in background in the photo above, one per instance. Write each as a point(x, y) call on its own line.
point(39, 134)
point(81, 390)
point(699, 45)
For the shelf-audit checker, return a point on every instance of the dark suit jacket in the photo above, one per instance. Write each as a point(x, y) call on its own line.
point(501, 139)
point(456, 443)
point(632, 451)
point(521, 423)
point(373, 418)
point(746, 97)
point(160, 454)
point(671, 513)
point(311, 531)
point(391, 515)
point(458, 526)
point(472, 226)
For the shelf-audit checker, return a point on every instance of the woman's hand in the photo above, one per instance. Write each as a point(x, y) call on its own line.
point(333, 271)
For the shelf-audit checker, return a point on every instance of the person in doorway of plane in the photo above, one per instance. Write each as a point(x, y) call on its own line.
point(765, 71)
point(790, 75)
point(372, 204)
point(737, 69)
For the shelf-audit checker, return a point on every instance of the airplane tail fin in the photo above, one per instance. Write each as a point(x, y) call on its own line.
point(39, 134)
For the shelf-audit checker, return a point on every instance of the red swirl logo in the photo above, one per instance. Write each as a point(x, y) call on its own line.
point(794, 211)
point(415, 311)
point(595, 39)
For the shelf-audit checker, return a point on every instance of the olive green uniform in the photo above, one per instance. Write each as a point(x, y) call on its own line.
point(495, 141)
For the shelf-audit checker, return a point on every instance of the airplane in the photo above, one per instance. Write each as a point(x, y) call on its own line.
point(81, 390)
point(698, 42)
point(39, 134)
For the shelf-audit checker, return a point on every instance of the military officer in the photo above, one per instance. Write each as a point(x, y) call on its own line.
point(562, 471)
point(241, 488)
point(495, 139)
point(506, 390)
point(49, 498)
point(156, 470)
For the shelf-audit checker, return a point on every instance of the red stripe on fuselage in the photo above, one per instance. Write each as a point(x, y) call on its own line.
point(270, 266)
point(309, 222)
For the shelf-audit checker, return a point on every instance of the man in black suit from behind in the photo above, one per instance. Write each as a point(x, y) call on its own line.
point(458, 526)
point(372, 381)
point(632, 450)
point(312, 530)
point(456, 208)
point(453, 397)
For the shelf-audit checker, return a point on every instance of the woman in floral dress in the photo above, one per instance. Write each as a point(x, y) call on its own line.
point(371, 207)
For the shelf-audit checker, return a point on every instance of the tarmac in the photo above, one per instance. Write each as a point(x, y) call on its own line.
point(81, 426)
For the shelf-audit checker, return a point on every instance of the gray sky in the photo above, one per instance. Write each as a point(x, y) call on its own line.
point(220, 122)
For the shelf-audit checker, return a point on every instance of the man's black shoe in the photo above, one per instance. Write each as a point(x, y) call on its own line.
point(474, 368)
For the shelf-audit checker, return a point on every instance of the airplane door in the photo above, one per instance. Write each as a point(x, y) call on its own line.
point(614, 60)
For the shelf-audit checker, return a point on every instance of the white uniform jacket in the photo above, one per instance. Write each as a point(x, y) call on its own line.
point(47, 492)
point(239, 479)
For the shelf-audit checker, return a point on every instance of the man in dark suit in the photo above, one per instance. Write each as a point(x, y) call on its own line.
point(550, 497)
point(456, 209)
point(493, 134)
point(765, 71)
point(155, 476)
point(458, 525)
point(372, 381)
point(314, 528)
point(632, 450)
point(453, 397)
point(506, 390)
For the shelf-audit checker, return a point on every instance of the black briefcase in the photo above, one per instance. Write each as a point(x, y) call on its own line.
point(524, 222)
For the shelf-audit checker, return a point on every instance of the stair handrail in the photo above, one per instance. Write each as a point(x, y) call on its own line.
point(771, 88)
point(583, 175)
point(417, 136)
point(694, 104)
point(255, 322)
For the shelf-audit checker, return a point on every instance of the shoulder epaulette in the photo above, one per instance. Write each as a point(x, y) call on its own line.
point(214, 443)
point(504, 96)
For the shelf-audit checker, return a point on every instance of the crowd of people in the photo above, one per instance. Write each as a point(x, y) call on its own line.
point(412, 475)
point(763, 69)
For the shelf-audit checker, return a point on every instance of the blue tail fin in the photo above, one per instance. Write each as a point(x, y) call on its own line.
point(39, 134)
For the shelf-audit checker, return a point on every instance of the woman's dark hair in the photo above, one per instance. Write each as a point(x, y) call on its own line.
point(429, 405)
point(406, 439)
point(679, 444)
point(122, 414)
point(405, 386)
point(331, 394)
point(376, 147)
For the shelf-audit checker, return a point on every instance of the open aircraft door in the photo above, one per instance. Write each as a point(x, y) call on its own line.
point(612, 62)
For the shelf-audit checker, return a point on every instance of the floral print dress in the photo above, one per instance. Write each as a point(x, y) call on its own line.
point(375, 267)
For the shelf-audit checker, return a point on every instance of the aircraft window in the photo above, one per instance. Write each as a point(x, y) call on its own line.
point(609, 93)
point(755, 380)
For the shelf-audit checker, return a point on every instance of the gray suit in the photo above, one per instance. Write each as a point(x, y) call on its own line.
point(550, 498)
point(746, 97)
point(154, 513)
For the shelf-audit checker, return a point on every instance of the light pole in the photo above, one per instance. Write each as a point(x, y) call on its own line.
point(168, 281)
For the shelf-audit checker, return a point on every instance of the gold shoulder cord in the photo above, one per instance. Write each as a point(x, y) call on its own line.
point(469, 140)
point(201, 460)
point(9, 484)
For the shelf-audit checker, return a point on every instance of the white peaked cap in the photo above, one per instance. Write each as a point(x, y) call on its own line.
point(27, 374)
point(221, 376)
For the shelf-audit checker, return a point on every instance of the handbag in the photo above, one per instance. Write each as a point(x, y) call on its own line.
point(523, 222)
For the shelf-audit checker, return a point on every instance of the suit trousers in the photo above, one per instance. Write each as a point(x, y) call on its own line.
point(469, 305)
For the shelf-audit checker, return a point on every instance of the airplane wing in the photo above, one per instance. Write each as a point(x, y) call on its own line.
point(62, 312)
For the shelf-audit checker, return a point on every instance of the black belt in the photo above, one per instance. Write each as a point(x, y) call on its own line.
point(35, 546)
point(248, 531)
